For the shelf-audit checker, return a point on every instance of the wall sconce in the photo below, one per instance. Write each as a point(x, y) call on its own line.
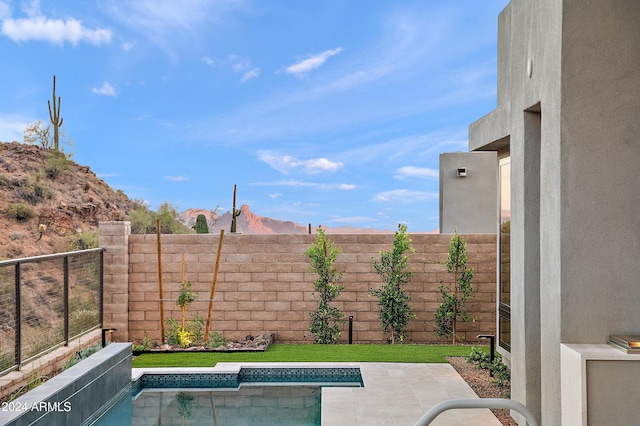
point(461, 172)
point(106, 331)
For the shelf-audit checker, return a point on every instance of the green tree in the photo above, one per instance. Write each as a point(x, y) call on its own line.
point(393, 301)
point(455, 294)
point(326, 320)
point(143, 220)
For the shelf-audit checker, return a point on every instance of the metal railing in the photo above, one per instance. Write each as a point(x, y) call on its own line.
point(45, 301)
point(490, 403)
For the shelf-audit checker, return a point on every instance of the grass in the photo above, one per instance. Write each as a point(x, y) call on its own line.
point(308, 353)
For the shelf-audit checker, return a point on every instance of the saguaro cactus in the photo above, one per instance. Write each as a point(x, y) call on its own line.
point(201, 226)
point(54, 116)
point(234, 213)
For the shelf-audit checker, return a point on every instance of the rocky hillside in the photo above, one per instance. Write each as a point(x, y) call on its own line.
point(49, 204)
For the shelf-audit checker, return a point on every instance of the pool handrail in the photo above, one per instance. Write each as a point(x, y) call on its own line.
point(476, 403)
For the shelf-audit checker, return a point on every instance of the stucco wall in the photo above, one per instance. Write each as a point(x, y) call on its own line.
point(264, 283)
point(469, 203)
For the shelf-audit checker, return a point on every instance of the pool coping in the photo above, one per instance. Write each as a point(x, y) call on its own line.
point(393, 393)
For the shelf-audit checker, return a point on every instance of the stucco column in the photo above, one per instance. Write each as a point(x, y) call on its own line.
point(114, 238)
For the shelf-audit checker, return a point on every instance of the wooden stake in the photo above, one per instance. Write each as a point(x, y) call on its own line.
point(184, 308)
point(160, 281)
point(213, 285)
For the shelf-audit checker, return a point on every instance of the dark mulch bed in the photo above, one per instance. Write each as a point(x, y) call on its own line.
point(483, 385)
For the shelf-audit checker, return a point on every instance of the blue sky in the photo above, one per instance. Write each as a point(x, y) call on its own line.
point(329, 112)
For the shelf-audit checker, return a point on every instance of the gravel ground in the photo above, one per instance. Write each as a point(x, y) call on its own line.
point(482, 384)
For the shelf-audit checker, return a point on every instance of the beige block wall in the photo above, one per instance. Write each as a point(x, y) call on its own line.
point(264, 283)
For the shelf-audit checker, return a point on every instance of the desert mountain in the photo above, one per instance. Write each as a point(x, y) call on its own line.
point(48, 202)
point(250, 223)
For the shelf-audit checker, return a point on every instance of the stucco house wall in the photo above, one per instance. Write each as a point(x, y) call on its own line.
point(568, 108)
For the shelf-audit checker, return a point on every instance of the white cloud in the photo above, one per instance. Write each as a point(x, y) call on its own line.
point(56, 31)
point(419, 172)
point(210, 62)
point(301, 184)
point(128, 45)
point(346, 186)
point(404, 196)
point(177, 178)
point(287, 163)
point(275, 195)
point(106, 89)
point(12, 127)
point(250, 75)
point(300, 69)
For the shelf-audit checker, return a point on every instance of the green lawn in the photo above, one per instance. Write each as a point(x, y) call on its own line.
point(308, 353)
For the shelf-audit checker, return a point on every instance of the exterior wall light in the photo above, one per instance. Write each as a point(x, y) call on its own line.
point(461, 172)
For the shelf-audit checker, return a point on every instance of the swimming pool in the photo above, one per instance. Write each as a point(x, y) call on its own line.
point(250, 396)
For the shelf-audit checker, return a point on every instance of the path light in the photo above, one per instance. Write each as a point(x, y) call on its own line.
point(104, 335)
point(350, 329)
point(492, 340)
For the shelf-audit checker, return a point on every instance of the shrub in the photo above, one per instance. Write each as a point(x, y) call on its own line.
point(83, 240)
point(144, 221)
point(144, 345)
point(19, 211)
point(56, 165)
point(35, 191)
point(326, 320)
point(393, 302)
point(216, 340)
point(496, 368)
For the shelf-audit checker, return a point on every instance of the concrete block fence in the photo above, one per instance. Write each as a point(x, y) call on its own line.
point(264, 283)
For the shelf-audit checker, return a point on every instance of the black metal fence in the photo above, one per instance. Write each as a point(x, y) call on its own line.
point(45, 301)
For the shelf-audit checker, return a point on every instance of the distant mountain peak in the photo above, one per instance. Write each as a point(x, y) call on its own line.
point(251, 223)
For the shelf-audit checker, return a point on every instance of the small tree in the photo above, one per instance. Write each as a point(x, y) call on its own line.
point(455, 294)
point(393, 302)
point(326, 320)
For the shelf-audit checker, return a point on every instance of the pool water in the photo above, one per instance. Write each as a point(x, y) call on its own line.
point(248, 405)
point(252, 396)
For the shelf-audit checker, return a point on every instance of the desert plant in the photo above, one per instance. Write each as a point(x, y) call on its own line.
point(496, 367)
point(455, 294)
point(83, 353)
point(38, 134)
point(19, 211)
point(144, 345)
point(143, 220)
point(56, 165)
point(191, 333)
point(82, 320)
point(54, 116)
point(326, 320)
point(234, 212)
point(393, 301)
point(33, 190)
point(201, 226)
point(83, 240)
point(215, 340)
